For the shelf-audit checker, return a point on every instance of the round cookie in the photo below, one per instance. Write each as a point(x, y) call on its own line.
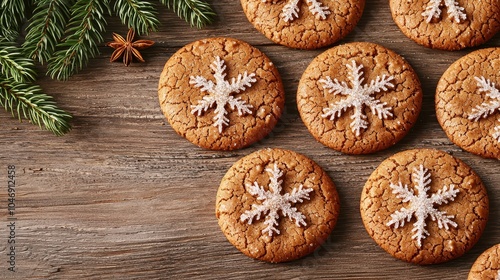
point(424, 206)
point(276, 205)
point(439, 25)
point(221, 93)
point(487, 265)
point(468, 102)
point(359, 98)
point(303, 25)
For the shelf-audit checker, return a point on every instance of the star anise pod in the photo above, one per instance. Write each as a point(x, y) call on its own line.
point(128, 48)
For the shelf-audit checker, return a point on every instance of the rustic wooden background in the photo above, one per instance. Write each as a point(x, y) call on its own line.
point(122, 196)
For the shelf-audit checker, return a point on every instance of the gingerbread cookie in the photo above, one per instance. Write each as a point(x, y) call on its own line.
point(424, 206)
point(221, 93)
point(468, 102)
point(447, 24)
point(276, 205)
point(359, 98)
point(487, 265)
point(304, 24)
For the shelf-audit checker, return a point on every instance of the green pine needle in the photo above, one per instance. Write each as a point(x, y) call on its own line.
point(28, 101)
point(14, 65)
point(196, 12)
point(137, 14)
point(11, 18)
point(46, 28)
point(85, 31)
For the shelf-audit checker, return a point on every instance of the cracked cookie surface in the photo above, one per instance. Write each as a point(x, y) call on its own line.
point(458, 93)
point(306, 31)
point(469, 207)
point(235, 199)
point(194, 68)
point(404, 98)
point(481, 23)
point(487, 265)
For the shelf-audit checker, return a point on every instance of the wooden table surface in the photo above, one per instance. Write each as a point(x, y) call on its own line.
point(123, 196)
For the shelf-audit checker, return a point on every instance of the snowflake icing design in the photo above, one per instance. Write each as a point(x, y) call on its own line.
point(433, 10)
point(422, 206)
point(487, 108)
point(291, 9)
point(220, 93)
point(273, 201)
point(358, 96)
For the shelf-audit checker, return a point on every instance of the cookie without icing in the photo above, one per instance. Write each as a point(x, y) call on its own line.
point(304, 24)
point(221, 93)
point(276, 205)
point(424, 206)
point(487, 265)
point(468, 102)
point(447, 25)
point(359, 98)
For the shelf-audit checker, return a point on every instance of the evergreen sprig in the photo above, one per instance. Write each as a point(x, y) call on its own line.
point(86, 26)
point(28, 101)
point(23, 98)
point(196, 12)
point(66, 34)
point(137, 14)
point(11, 17)
point(13, 64)
point(47, 27)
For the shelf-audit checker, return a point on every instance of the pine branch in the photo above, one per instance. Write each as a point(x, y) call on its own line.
point(12, 14)
point(28, 101)
point(137, 14)
point(65, 56)
point(85, 31)
point(196, 12)
point(24, 99)
point(13, 64)
point(46, 28)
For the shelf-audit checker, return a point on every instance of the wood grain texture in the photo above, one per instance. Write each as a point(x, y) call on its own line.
point(122, 196)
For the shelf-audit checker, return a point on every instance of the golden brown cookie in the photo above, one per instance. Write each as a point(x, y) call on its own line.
point(276, 205)
point(447, 24)
point(359, 98)
point(424, 206)
point(487, 265)
point(221, 93)
point(468, 102)
point(304, 24)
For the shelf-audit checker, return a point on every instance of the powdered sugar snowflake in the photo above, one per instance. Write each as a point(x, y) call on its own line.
point(433, 10)
point(487, 108)
point(357, 97)
point(273, 201)
point(291, 9)
point(219, 93)
point(422, 206)
point(498, 276)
